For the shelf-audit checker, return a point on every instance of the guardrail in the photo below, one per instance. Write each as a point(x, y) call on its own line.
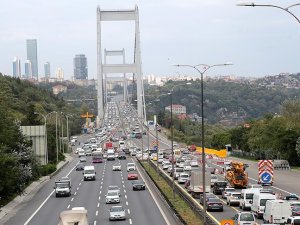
point(185, 196)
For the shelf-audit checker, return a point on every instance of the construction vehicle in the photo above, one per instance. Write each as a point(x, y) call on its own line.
point(78, 216)
point(236, 175)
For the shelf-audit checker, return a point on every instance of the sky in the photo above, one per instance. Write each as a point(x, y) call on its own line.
point(259, 41)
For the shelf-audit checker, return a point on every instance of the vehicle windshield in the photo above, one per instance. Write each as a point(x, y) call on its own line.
point(112, 193)
point(89, 172)
point(221, 184)
point(62, 185)
point(246, 217)
point(130, 164)
point(113, 188)
point(249, 196)
point(179, 170)
point(236, 195)
point(213, 200)
point(116, 209)
point(184, 175)
point(263, 202)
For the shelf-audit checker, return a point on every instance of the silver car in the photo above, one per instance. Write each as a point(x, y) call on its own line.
point(117, 213)
point(112, 197)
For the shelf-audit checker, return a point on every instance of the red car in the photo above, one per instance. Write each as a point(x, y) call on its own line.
point(132, 176)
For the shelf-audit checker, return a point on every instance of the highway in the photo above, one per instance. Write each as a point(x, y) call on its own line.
point(142, 207)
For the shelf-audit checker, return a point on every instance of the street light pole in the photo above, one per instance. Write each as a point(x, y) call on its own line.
point(206, 67)
point(172, 141)
point(156, 137)
point(252, 4)
point(56, 138)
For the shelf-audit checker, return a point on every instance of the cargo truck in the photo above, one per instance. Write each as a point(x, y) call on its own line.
point(62, 187)
point(196, 183)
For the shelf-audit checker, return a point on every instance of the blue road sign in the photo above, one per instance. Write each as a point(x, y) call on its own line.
point(266, 177)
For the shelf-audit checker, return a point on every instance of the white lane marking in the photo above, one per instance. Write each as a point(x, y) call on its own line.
point(101, 182)
point(126, 203)
point(97, 213)
point(130, 221)
point(81, 180)
point(95, 222)
point(126, 196)
point(75, 193)
point(101, 187)
point(72, 199)
point(43, 203)
point(123, 186)
point(128, 211)
point(77, 188)
point(68, 207)
point(79, 184)
point(99, 198)
point(124, 191)
point(98, 204)
point(100, 192)
point(154, 198)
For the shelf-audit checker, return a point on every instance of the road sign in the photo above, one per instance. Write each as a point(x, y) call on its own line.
point(227, 222)
point(266, 177)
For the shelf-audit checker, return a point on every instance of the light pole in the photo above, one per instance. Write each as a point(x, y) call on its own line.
point(252, 4)
point(46, 138)
point(172, 134)
point(56, 138)
point(205, 68)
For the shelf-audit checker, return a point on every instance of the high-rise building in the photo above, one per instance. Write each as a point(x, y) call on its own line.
point(32, 56)
point(80, 67)
point(28, 69)
point(59, 74)
point(47, 69)
point(16, 67)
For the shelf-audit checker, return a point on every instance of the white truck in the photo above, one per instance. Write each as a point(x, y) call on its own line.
point(259, 203)
point(62, 187)
point(277, 211)
point(78, 216)
point(196, 183)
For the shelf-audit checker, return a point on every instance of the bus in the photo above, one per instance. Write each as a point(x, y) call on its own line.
point(97, 157)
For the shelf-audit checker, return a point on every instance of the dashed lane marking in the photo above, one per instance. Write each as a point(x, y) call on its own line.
point(130, 221)
point(126, 203)
point(98, 204)
point(75, 193)
point(72, 199)
point(128, 210)
point(97, 213)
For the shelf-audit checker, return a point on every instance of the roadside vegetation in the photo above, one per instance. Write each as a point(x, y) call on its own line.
point(181, 207)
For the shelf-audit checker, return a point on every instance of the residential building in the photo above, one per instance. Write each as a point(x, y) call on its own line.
point(80, 67)
point(28, 69)
point(59, 88)
point(59, 74)
point(16, 67)
point(32, 56)
point(47, 70)
point(177, 109)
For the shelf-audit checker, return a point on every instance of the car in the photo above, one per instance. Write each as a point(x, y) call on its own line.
point(121, 156)
point(117, 213)
point(132, 176)
point(117, 167)
point(207, 196)
point(233, 198)
point(219, 187)
point(114, 188)
point(244, 218)
point(177, 172)
point(82, 159)
point(138, 185)
point(214, 204)
point(187, 167)
point(194, 163)
point(79, 167)
point(130, 167)
point(294, 204)
point(257, 186)
point(267, 190)
point(296, 211)
point(226, 191)
point(112, 197)
point(291, 197)
point(183, 177)
point(166, 165)
point(213, 179)
point(293, 220)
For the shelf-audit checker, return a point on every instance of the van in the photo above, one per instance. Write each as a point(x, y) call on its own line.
point(259, 203)
point(277, 211)
point(213, 179)
point(89, 173)
point(111, 154)
point(247, 197)
point(122, 144)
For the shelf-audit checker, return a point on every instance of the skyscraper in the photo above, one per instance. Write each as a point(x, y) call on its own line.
point(80, 67)
point(32, 56)
point(59, 74)
point(47, 69)
point(28, 69)
point(16, 67)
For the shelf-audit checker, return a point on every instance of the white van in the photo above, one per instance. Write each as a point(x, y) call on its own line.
point(247, 197)
point(259, 203)
point(89, 173)
point(277, 211)
point(122, 144)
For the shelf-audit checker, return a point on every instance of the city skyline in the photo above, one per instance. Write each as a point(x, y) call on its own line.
point(259, 41)
point(31, 47)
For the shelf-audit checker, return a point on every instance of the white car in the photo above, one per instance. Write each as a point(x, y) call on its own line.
point(227, 191)
point(166, 165)
point(117, 213)
point(194, 163)
point(130, 167)
point(244, 218)
point(187, 167)
point(183, 177)
point(233, 198)
point(213, 179)
point(114, 188)
point(112, 197)
point(117, 167)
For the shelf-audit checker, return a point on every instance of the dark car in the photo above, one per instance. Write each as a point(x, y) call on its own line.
point(121, 156)
point(207, 196)
point(214, 204)
point(126, 151)
point(219, 187)
point(138, 185)
point(79, 166)
point(291, 197)
point(296, 211)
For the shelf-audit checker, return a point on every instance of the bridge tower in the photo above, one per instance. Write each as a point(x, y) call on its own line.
point(135, 67)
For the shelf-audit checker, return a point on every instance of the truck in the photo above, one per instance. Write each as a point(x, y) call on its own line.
point(78, 216)
point(62, 187)
point(196, 183)
point(236, 175)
